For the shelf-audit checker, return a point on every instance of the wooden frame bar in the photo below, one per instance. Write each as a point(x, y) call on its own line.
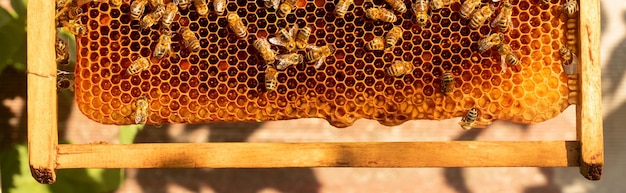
point(46, 155)
point(42, 95)
point(588, 110)
point(349, 154)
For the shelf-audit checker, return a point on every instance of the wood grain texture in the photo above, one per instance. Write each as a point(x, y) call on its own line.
point(42, 97)
point(274, 155)
point(588, 110)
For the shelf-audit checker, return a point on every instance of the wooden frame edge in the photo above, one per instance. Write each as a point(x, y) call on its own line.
point(589, 130)
point(346, 154)
point(41, 96)
point(45, 155)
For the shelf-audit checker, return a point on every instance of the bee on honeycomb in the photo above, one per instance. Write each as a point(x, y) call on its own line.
point(209, 68)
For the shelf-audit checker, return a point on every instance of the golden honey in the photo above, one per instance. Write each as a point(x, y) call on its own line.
point(224, 80)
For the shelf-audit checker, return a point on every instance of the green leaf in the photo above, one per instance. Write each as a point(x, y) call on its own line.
point(13, 35)
point(20, 8)
point(128, 132)
point(19, 58)
point(5, 17)
point(10, 166)
point(16, 177)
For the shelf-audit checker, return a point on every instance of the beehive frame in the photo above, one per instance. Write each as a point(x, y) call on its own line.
point(46, 155)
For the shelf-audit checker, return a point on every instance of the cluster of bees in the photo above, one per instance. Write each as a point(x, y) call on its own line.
point(503, 23)
point(292, 39)
point(67, 15)
point(477, 13)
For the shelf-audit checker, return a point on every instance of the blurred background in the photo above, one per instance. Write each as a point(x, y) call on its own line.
point(76, 128)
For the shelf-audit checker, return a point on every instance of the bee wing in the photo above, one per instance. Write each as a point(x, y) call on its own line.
point(312, 47)
point(61, 72)
point(140, 119)
point(574, 59)
point(274, 3)
point(494, 23)
point(282, 59)
point(282, 64)
point(319, 63)
point(292, 32)
point(275, 41)
point(571, 68)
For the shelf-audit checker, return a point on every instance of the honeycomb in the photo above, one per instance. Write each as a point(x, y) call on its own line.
point(225, 79)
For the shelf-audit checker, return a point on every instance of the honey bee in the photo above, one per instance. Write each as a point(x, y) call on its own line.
point(190, 40)
point(286, 60)
point(159, 10)
point(420, 8)
point(503, 20)
point(397, 5)
point(65, 83)
point(149, 20)
point(378, 43)
point(438, 4)
point(182, 4)
point(74, 27)
point(570, 60)
point(156, 3)
point(570, 7)
point(116, 2)
point(507, 56)
point(264, 48)
point(479, 17)
point(62, 52)
point(342, 7)
point(489, 41)
point(271, 78)
point(219, 6)
point(235, 24)
point(163, 47)
point(381, 14)
point(286, 8)
point(392, 37)
point(141, 110)
point(272, 3)
point(201, 6)
point(137, 8)
point(302, 37)
point(447, 83)
point(61, 3)
point(168, 15)
point(469, 120)
point(318, 54)
point(138, 66)
point(399, 68)
point(285, 37)
point(468, 8)
point(74, 12)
